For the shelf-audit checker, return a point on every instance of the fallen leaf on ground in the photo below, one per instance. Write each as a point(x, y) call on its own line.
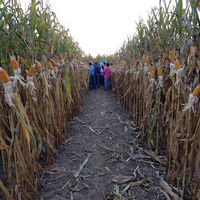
point(117, 198)
point(125, 129)
point(140, 182)
point(56, 170)
point(122, 179)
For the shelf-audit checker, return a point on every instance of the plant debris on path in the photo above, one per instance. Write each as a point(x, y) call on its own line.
point(103, 159)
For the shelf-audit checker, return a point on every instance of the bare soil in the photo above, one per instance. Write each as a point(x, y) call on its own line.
point(103, 157)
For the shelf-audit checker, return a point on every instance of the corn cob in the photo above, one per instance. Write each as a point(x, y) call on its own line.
point(51, 67)
point(160, 71)
point(193, 98)
point(177, 64)
point(133, 62)
point(196, 91)
point(151, 71)
point(70, 57)
point(163, 57)
point(53, 62)
point(4, 76)
point(31, 71)
point(148, 59)
point(38, 64)
point(172, 55)
point(153, 74)
point(144, 58)
point(14, 63)
point(150, 68)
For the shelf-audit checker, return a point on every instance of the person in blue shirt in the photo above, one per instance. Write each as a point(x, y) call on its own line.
point(92, 82)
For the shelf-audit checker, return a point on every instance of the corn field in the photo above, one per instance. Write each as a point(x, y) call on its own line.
point(157, 79)
point(42, 86)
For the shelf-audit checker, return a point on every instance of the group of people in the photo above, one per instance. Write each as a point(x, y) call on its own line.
point(99, 75)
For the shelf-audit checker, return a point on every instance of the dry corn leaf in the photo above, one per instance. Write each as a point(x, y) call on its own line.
point(122, 179)
point(5, 191)
point(56, 170)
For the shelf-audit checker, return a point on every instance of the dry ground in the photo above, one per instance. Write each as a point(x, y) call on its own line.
point(103, 159)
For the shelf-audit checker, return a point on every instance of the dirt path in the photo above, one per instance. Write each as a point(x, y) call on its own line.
point(105, 155)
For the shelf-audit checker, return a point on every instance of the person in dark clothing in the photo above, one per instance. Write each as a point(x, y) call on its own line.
point(92, 82)
point(102, 75)
point(97, 74)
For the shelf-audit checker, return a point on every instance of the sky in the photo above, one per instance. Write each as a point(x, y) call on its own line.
point(100, 26)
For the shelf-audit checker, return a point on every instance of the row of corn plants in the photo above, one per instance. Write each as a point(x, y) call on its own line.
point(157, 79)
point(42, 85)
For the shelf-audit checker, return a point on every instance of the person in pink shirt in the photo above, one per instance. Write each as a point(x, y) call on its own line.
point(107, 76)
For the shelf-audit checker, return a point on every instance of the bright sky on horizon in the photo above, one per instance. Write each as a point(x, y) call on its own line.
point(100, 26)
